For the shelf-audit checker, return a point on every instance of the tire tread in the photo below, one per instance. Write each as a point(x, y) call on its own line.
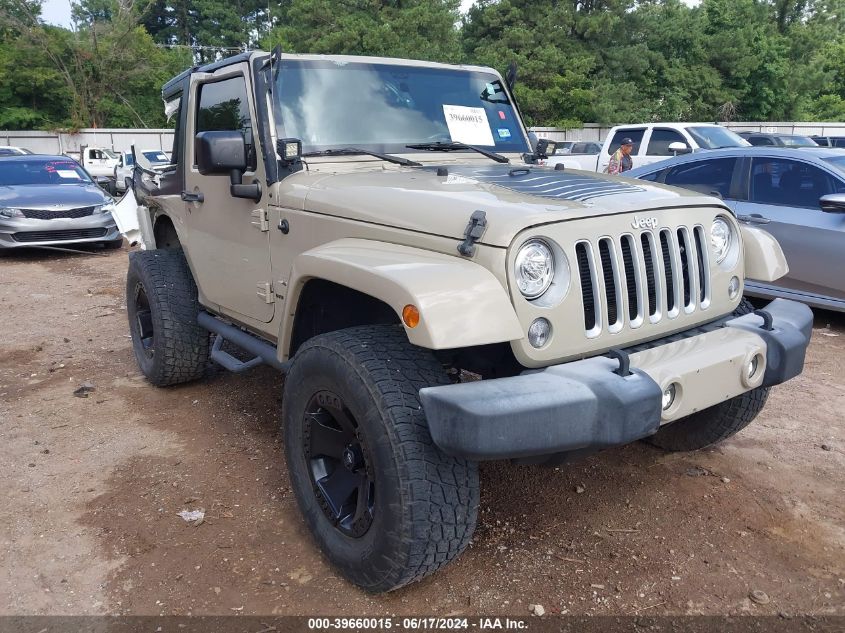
point(441, 491)
point(181, 344)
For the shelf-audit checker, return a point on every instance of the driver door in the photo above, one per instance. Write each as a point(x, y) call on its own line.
point(228, 239)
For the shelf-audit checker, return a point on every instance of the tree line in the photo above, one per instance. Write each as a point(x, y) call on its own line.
point(604, 61)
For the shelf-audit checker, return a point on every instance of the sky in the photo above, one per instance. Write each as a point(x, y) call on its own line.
point(56, 12)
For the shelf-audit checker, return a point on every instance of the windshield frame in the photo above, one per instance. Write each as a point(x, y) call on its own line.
point(705, 142)
point(518, 143)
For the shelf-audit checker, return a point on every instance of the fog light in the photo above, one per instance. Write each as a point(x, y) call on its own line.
point(539, 332)
point(668, 396)
point(753, 364)
point(733, 287)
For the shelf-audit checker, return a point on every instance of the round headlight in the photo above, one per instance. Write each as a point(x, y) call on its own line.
point(534, 268)
point(721, 238)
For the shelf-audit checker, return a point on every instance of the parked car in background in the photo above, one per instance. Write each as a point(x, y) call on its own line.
point(796, 195)
point(563, 147)
point(98, 161)
point(829, 141)
point(10, 150)
point(778, 140)
point(655, 142)
point(574, 148)
point(52, 201)
point(126, 163)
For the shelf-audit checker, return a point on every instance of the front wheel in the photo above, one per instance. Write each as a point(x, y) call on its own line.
point(385, 505)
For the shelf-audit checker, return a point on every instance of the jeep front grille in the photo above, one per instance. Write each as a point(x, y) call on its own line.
point(626, 281)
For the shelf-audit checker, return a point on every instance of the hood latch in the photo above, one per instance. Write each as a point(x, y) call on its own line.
point(472, 233)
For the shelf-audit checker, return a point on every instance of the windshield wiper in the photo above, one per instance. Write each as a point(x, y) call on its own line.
point(353, 151)
point(440, 146)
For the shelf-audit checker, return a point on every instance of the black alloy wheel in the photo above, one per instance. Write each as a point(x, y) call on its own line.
point(144, 321)
point(341, 473)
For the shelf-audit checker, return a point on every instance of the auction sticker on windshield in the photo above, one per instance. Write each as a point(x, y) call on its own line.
point(468, 125)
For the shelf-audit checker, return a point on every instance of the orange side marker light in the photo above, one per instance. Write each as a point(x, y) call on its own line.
point(411, 316)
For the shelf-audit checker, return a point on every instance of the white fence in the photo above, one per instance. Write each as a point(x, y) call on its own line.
point(116, 139)
point(123, 139)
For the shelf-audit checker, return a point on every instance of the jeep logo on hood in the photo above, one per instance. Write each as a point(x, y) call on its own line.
point(644, 223)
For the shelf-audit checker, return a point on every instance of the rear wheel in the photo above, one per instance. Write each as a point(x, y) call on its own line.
point(385, 505)
point(161, 301)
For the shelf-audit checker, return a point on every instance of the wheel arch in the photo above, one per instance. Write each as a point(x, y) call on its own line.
point(461, 303)
point(165, 233)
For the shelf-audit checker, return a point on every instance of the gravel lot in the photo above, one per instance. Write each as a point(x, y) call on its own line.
point(92, 487)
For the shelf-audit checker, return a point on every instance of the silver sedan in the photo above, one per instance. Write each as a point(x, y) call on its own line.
point(51, 201)
point(797, 195)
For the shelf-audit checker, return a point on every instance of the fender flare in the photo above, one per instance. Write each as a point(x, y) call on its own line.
point(764, 258)
point(461, 303)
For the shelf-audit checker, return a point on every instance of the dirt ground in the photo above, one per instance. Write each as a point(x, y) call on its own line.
point(92, 487)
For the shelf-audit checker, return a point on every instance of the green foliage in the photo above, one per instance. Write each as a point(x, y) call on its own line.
point(607, 61)
point(416, 29)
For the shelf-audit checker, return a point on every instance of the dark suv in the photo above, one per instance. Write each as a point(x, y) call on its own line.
point(778, 140)
point(829, 141)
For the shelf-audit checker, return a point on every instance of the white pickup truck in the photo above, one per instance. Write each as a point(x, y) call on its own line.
point(653, 142)
point(97, 161)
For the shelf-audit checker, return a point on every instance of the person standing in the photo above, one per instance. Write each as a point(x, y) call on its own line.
point(621, 160)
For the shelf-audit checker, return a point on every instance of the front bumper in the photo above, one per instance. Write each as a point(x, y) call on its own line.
point(585, 405)
point(29, 232)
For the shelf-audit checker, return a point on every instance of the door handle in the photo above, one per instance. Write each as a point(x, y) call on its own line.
point(754, 218)
point(193, 196)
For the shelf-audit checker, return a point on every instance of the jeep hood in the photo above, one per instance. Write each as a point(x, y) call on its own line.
point(514, 197)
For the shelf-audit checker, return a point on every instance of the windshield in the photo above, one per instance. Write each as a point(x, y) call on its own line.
point(384, 107)
point(110, 153)
point(42, 172)
point(714, 137)
point(838, 162)
point(157, 157)
point(795, 140)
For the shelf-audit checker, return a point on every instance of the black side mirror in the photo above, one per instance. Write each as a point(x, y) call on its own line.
point(833, 203)
point(221, 152)
point(104, 182)
point(545, 148)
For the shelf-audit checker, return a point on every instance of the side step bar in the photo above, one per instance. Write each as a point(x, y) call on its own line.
point(263, 352)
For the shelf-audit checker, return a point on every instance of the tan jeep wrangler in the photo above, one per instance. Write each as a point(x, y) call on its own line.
point(379, 230)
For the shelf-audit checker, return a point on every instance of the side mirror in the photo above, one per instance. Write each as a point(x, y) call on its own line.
point(833, 203)
point(678, 148)
point(104, 183)
point(220, 152)
point(545, 148)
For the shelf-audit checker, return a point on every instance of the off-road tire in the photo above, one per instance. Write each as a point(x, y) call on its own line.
point(426, 502)
point(179, 349)
point(716, 423)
